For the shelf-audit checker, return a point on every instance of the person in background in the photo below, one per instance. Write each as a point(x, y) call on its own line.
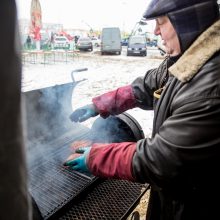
point(52, 36)
point(76, 38)
point(28, 42)
point(182, 158)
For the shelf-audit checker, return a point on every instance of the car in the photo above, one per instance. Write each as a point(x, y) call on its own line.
point(61, 42)
point(84, 43)
point(152, 43)
point(96, 42)
point(137, 45)
point(124, 42)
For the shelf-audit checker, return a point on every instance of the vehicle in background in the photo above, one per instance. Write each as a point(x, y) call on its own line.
point(137, 45)
point(61, 42)
point(96, 42)
point(84, 43)
point(124, 42)
point(111, 40)
point(152, 43)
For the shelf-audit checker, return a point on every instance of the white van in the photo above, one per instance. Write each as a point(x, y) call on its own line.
point(111, 40)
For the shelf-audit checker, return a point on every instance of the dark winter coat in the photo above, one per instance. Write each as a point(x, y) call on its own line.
point(181, 161)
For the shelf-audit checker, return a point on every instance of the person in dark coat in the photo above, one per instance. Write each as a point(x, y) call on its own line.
point(28, 42)
point(182, 158)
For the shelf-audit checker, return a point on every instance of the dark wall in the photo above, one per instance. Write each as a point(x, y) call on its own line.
point(14, 202)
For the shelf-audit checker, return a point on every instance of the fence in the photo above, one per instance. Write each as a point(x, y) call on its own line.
point(49, 56)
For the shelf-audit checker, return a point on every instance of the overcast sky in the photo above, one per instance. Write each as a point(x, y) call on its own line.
point(88, 13)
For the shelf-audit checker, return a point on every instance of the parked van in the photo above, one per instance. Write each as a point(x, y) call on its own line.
point(137, 45)
point(111, 40)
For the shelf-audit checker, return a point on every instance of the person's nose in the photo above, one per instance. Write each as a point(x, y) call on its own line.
point(157, 29)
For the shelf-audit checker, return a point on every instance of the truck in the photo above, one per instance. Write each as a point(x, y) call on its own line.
point(111, 40)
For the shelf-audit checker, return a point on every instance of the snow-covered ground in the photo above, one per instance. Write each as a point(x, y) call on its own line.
point(104, 73)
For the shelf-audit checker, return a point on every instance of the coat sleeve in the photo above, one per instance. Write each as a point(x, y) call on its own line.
point(112, 160)
point(138, 94)
point(115, 102)
point(144, 87)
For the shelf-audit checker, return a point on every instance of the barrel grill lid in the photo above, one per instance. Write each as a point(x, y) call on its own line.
point(120, 128)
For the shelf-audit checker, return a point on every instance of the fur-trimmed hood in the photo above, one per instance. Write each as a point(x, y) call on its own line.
point(204, 47)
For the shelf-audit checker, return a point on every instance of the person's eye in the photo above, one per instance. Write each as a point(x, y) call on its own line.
point(160, 21)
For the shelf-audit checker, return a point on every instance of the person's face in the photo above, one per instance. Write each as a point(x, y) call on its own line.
point(165, 29)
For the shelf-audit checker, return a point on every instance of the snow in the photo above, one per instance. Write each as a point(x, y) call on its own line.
point(104, 73)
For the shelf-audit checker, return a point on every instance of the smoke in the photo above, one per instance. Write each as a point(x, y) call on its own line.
point(111, 130)
point(49, 133)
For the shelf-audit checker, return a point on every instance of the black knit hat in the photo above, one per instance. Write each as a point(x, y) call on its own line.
point(189, 17)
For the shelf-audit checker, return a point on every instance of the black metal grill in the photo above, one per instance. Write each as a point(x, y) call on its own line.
point(58, 191)
point(111, 199)
point(51, 184)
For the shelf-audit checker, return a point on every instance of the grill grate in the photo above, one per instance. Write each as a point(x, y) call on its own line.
point(51, 184)
point(111, 199)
